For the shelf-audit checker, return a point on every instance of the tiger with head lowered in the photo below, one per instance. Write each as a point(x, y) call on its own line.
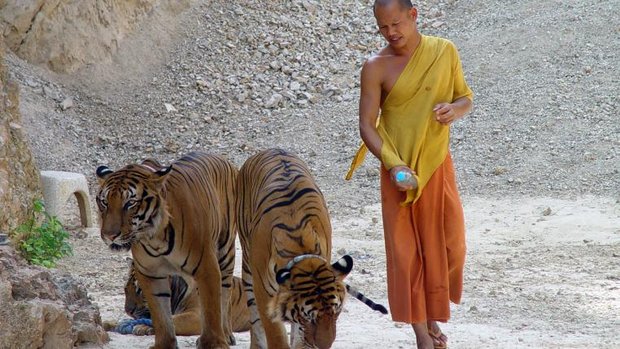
point(184, 306)
point(176, 220)
point(285, 235)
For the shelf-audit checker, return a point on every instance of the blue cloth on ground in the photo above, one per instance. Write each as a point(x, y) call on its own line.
point(126, 326)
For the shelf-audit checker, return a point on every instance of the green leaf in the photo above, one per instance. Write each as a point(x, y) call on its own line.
point(38, 206)
point(45, 243)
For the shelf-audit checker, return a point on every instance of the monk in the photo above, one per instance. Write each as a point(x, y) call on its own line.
point(411, 91)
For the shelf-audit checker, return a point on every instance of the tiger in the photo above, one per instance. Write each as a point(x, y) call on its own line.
point(184, 306)
point(285, 235)
point(176, 220)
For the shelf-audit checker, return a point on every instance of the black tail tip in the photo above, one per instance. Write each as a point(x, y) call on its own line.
point(380, 308)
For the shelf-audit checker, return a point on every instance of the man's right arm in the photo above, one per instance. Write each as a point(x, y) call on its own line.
point(370, 103)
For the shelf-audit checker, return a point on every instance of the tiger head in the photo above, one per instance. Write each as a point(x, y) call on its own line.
point(131, 204)
point(135, 303)
point(311, 294)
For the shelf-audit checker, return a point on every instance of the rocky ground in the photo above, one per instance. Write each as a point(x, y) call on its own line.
point(234, 79)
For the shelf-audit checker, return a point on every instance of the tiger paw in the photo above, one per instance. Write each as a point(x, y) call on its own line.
point(128, 326)
point(143, 330)
point(201, 343)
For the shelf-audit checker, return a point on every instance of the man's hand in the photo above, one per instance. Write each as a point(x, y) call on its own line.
point(445, 113)
point(400, 186)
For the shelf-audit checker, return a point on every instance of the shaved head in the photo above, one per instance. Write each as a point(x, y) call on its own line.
point(404, 4)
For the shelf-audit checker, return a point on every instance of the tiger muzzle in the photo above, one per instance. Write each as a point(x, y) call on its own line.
point(108, 236)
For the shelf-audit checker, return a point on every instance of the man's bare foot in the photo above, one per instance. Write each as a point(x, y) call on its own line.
point(435, 333)
point(422, 338)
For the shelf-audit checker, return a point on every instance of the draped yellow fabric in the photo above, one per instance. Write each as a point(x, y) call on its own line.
point(411, 136)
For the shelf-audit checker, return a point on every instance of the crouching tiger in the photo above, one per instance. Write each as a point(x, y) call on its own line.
point(285, 235)
point(184, 306)
point(175, 220)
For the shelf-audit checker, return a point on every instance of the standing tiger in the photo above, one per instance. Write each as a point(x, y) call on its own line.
point(176, 220)
point(185, 306)
point(285, 235)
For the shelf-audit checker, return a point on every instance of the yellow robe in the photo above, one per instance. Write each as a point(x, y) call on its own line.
point(411, 135)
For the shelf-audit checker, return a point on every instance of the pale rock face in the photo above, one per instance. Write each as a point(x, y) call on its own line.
point(39, 308)
point(19, 177)
point(65, 35)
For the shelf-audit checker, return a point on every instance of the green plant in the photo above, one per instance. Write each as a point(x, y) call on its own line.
point(43, 243)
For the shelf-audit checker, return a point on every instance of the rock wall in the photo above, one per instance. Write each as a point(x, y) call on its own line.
point(39, 308)
point(65, 35)
point(19, 176)
point(43, 308)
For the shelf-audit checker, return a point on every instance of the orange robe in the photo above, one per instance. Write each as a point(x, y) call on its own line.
point(425, 247)
point(424, 228)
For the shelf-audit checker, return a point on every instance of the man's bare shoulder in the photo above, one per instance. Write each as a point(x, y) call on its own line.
point(379, 60)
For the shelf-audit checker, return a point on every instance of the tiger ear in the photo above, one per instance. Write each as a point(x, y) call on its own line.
point(163, 171)
point(282, 275)
point(343, 267)
point(102, 173)
point(159, 176)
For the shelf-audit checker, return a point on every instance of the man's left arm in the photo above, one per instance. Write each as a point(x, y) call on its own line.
point(446, 113)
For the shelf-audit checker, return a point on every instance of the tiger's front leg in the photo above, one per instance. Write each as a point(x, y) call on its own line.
point(257, 332)
point(156, 290)
point(275, 332)
point(226, 258)
point(208, 279)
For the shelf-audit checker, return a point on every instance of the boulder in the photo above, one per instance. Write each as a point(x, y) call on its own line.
point(44, 308)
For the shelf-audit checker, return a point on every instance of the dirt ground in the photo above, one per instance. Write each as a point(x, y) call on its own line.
point(540, 273)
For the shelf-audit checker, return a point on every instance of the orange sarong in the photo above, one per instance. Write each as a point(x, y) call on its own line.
point(425, 247)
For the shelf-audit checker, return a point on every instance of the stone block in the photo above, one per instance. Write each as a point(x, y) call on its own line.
point(58, 186)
